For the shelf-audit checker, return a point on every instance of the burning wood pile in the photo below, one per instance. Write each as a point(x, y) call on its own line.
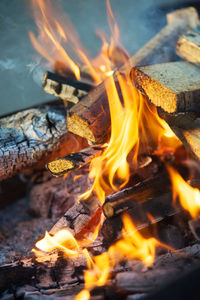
point(123, 145)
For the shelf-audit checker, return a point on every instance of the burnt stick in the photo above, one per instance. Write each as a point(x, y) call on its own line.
point(66, 88)
point(72, 161)
point(129, 198)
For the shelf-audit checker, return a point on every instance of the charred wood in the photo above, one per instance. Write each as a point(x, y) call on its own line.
point(91, 117)
point(164, 273)
point(34, 136)
point(142, 214)
point(66, 88)
point(130, 198)
point(51, 197)
point(72, 161)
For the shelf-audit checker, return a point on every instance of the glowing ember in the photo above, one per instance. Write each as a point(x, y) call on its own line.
point(189, 197)
point(131, 246)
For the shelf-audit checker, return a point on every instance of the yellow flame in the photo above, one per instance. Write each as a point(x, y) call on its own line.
point(63, 240)
point(57, 37)
point(133, 122)
point(189, 197)
point(132, 246)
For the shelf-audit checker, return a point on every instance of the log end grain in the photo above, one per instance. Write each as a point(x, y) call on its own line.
point(172, 86)
point(80, 127)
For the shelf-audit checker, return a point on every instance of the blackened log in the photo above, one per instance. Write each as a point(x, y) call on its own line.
point(90, 118)
point(165, 275)
point(66, 88)
point(129, 198)
point(72, 161)
point(34, 136)
point(142, 214)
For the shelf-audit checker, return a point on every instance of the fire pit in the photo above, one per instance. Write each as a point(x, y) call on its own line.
point(112, 170)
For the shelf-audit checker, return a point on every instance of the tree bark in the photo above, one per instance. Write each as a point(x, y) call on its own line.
point(30, 138)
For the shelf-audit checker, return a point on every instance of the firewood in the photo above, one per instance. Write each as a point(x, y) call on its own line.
point(161, 48)
point(91, 117)
point(34, 136)
point(82, 217)
point(173, 86)
point(72, 161)
point(157, 208)
point(187, 129)
point(165, 272)
point(66, 88)
point(188, 45)
point(129, 198)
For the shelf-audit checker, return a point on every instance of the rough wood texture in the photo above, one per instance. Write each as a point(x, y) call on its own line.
point(66, 88)
point(188, 45)
point(33, 137)
point(142, 214)
point(129, 198)
point(173, 86)
point(72, 161)
point(63, 280)
point(91, 117)
point(166, 268)
point(187, 128)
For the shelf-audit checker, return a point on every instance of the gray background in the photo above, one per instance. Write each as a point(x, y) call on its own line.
point(21, 72)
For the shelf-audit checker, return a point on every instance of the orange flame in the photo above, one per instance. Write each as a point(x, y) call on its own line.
point(54, 37)
point(133, 123)
point(189, 197)
point(131, 246)
point(63, 240)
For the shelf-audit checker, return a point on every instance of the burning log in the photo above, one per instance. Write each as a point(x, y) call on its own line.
point(66, 88)
point(91, 117)
point(34, 136)
point(72, 161)
point(188, 45)
point(130, 198)
point(81, 218)
point(173, 86)
point(157, 208)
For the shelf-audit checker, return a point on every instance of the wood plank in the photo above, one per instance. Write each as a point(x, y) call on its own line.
point(188, 45)
point(173, 86)
point(187, 129)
